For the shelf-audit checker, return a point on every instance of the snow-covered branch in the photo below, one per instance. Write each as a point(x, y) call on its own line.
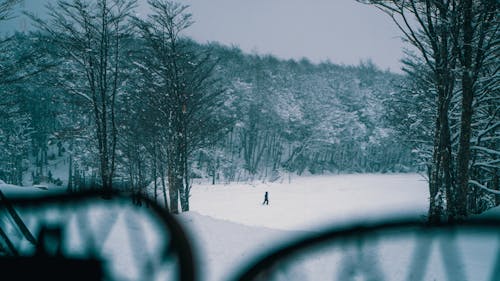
point(477, 184)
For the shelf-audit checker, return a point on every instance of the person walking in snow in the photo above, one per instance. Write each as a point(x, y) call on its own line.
point(266, 199)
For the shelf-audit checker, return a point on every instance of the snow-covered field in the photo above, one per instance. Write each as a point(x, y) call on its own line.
point(229, 227)
point(308, 203)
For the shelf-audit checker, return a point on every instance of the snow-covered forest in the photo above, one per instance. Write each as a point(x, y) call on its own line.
point(95, 96)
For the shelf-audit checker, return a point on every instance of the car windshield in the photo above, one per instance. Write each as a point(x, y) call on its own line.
point(219, 139)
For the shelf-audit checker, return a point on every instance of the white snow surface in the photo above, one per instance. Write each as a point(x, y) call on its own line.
point(229, 227)
point(311, 202)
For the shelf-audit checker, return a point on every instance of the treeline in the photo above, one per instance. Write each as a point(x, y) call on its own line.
point(131, 102)
point(295, 116)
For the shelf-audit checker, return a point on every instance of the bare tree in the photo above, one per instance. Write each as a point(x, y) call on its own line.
point(479, 26)
point(91, 35)
point(182, 92)
point(454, 38)
point(425, 25)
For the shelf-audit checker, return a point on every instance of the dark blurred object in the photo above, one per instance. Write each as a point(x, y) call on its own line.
point(91, 236)
point(49, 268)
point(48, 262)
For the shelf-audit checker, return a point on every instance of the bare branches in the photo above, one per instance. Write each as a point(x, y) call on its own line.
point(6, 7)
point(90, 37)
point(457, 40)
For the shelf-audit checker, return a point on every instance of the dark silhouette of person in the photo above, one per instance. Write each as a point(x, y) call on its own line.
point(266, 199)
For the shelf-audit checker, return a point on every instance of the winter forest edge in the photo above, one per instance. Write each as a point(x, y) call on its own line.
point(132, 103)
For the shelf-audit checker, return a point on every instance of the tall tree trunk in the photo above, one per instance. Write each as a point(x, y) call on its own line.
point(70, 174)
point(463, 157)
point(184, 163)
point(440, 182)
point(180, 176)
point(446, 165)
point(187, 185)
point(173, 191)
point(155, 176)
point(435, 194)
point(164, 189)
point(496, 185)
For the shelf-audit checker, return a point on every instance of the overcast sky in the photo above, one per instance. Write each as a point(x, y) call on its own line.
point(342, 31)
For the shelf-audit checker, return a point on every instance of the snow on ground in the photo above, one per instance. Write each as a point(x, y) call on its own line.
point(308, 203)
point(34, 190)
point(223, 246)
point(231, 226)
